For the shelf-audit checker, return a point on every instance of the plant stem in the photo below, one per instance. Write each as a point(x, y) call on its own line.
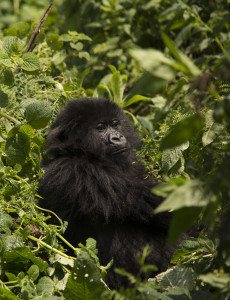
point(50, 247)
point(9, 117)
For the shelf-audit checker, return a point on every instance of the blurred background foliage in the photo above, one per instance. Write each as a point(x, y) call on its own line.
point(166, 63)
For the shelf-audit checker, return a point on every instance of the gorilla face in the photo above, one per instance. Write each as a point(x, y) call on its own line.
point(94, 127)
point(109, 132)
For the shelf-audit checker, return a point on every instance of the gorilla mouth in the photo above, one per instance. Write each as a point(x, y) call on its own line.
point(119, 151)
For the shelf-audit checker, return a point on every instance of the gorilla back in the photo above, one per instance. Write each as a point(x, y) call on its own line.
point(93, 181)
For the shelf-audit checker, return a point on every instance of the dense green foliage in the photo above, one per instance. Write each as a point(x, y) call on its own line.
point(166, 63)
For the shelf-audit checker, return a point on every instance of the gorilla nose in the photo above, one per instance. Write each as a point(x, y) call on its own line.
point(117, 139)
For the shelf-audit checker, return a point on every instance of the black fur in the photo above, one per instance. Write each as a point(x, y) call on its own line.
point(101, 195)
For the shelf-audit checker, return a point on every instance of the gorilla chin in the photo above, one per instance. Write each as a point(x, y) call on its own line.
point(104, 196)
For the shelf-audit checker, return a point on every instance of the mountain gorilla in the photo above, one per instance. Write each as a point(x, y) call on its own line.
point(93, 180)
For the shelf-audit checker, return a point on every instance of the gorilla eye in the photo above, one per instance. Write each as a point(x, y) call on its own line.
point(101, 126)
point(115, 123)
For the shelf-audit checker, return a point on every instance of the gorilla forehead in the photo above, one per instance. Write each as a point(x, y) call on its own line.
point(92, 110)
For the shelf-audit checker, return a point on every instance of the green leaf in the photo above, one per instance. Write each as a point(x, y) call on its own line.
point(30, 62)
point(3, 99)
point(12, 45)
point(135, 99)
point(45, 286)
point(8, 77)
point(4, 59)
point(85, 281)
point(5, 223)
point(17, 258)
point(38, 114)
point(17, 147)
point(155, 62)
point(116, 87)
point(182, 220)
point(187, 66)
point(33, 272)
point(190, 194)
point(183, 131)
point(6, 294)
point(171, 156)
point(211, 129)
point(84, 54)
point(54, 42)
point(177, 277)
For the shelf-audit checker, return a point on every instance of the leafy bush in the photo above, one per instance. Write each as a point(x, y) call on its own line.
point(167, 65)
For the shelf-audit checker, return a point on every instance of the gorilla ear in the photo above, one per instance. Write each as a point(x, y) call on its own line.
point(57, 134)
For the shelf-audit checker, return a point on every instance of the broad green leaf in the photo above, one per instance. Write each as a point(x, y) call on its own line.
point(78, 46)
point(38, 114)
point(17, 147)
point(218, 280)
point(182, 220)
point(8, 77)
point(190, 194)
point(177, 277)
point(19, 257)
point(45, 286)
point(183, 131)
point(171, 156)
point(84, 54)
point(6, 294)
point(3, 99)
point(155, 62)
point(30, 62)
point(84, 282)
point(4, 59)
point(12, 45)
point(5, 223)
point(11, 242)
point(33, 272)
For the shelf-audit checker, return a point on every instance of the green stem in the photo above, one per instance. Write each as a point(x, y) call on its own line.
point(9, 117)
point(66, 242)
point(50, 247)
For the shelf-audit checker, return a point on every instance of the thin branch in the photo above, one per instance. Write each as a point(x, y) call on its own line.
point(31, 43)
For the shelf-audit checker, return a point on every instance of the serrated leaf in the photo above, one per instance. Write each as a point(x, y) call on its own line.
point(3, 99)
point(45, 286)
point(171, 156)
point(17, 147)
point(8, 77)
point(84, 282)
point(211, 129)
point(12, 44)
point(30, 62)
point(38, 114)
point(5, 223)
point(177, 277)
point(4, 59)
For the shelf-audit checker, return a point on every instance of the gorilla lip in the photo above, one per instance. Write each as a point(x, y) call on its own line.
point(120, 151)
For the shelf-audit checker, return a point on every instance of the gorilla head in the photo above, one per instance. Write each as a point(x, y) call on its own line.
point(102, 129)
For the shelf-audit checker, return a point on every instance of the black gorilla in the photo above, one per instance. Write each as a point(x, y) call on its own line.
point(93, 180)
